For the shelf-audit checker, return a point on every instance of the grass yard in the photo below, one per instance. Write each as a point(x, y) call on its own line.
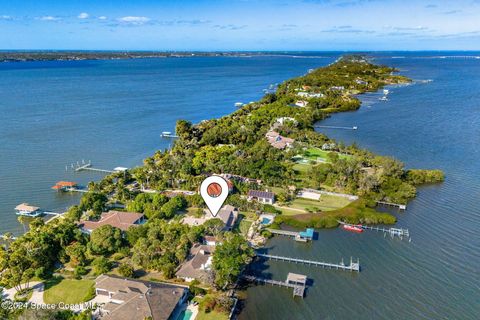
point(68, 290)
point(326, 203)
point(242, 224)
point(314, 153)
point(212, 315)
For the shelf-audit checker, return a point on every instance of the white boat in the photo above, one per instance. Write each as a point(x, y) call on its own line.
point(385, 91)
point(166, 133)
point(384, 98)
point(238, 104)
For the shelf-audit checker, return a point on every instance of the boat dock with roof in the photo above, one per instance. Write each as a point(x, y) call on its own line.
point(296, 281)
point(25, 209)
point(302, 236)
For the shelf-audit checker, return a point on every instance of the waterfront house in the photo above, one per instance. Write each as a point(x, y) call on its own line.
point(261, 196)
point(301, 103)
point(118, 219)
point(198, 263)
point(128, 299)
point(304, 94)
point(24, 209)
point(277, 141)
point(228, 214)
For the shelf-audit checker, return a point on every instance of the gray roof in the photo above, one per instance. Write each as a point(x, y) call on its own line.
point(141, 298)
point(191, 268)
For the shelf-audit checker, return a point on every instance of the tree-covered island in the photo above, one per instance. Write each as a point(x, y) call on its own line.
point(267, 145)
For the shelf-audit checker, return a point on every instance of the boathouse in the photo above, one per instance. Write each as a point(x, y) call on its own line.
point(24, 209)
point(64, 186)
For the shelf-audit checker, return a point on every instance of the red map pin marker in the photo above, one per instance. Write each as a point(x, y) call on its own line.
point(214, 191)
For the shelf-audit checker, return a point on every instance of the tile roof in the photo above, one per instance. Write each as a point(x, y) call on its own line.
point(118, 219)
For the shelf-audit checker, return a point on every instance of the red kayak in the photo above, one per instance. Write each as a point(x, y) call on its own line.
point(353, 228)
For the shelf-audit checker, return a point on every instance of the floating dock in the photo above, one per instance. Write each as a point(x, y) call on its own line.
point(296, 281)
point(168, 134)
point(353, 266)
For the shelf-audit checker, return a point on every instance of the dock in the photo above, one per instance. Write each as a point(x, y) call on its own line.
point(88, 166)
point(390, 204)
point(353, 266)
point(295, 281)
point(168, 135)
point(337, 127)
point(393, 232)
point(302, 236)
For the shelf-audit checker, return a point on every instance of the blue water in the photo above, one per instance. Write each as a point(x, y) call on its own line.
point(437, 275)
point(54, 114)
point(112, 112)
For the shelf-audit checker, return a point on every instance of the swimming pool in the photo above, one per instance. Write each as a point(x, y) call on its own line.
point(185, 315)
point(266, 221)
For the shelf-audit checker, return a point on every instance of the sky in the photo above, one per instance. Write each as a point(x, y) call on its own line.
point(202, 25)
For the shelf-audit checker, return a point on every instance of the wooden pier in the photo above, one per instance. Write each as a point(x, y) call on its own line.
point(88, 166)
point(390, 204)
point(303, 236)
point(284, 232)
point(298, 289)
point(353, 266)
point(337, 127)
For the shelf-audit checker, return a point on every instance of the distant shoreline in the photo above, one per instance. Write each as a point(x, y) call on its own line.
point(32, 56)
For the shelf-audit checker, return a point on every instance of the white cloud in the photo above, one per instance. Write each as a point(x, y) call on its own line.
point(49, 18)
point(5, 17)
point(102, 18)
point(83, 15)
point(134, 20)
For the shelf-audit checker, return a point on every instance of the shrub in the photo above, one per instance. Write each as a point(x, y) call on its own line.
point(79, 271)
point(126, 270)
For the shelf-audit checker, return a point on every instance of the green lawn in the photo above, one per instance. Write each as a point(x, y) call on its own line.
point(314, 153)
point(326, 203)
point(212, 315)
point(243, 223)
point(68, 290)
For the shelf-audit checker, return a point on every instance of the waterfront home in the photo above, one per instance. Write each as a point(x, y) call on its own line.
point(301, 103)
point(240, 178)
point(261, 196)
point(118, 219)
point(228, 214)
point(128, 299)
point(337, 88)
point(283, 120)
point(304, 94)
point(277, 141)
point(198, 263)
point(24, 209)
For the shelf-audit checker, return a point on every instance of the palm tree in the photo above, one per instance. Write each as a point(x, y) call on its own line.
point(23, 220)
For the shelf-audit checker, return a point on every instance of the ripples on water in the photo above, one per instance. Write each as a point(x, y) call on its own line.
point(112, 112)
point(427, 125)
